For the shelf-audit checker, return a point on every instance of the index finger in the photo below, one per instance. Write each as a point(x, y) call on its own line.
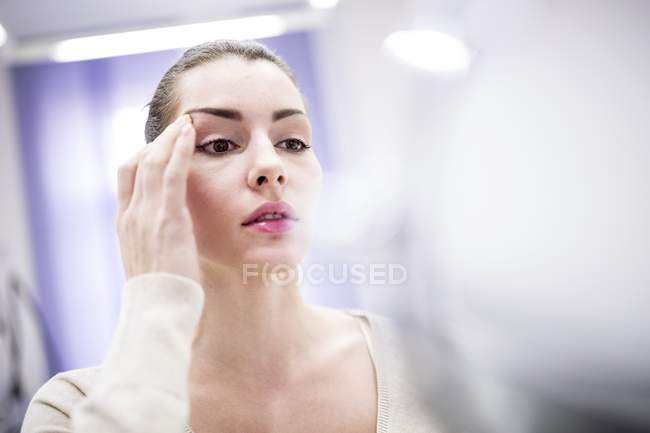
point(126, 178)
point(160, 151)
point(175, 182)
point(164, 143)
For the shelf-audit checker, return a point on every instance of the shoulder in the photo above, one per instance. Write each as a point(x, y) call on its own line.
point(383, 329)
point(52, 403)
point(387, 338)
point(402, 404)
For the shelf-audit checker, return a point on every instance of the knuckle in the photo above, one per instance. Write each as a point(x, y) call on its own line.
point(162, 138)
point(165, 223)
point(153, 163)
point(151, 187)
point(172, 176)
point(125, 221)
point(149, 177)
point(125, 168)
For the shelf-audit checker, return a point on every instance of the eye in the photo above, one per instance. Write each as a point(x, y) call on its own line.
point(294, 145)
point(219, 146)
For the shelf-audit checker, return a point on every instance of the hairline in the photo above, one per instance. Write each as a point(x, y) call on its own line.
point(175, 98)
point(165, 101)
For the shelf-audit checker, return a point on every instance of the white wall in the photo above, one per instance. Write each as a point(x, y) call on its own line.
point(531, 169)
point(380, 114)
point(526, 184)
point(540, 228)
point(543, 193)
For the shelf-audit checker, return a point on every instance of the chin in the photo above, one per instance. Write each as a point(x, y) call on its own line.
point(263, 257)
point(269, 257)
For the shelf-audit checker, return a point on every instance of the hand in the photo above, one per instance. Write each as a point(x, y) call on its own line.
point(154, 224)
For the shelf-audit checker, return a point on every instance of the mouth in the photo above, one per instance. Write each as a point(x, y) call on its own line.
point(272, 215)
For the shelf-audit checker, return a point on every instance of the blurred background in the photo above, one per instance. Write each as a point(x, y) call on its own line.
point(497, 150)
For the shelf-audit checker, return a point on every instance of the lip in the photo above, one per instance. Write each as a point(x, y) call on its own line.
point(280, 207)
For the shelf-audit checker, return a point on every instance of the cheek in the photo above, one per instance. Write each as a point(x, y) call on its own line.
point(208, 199)
point(309, 181)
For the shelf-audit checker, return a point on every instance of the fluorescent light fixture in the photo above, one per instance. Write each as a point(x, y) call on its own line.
point(429, 50)
point(166, 38)
point(3, 35)
point(323, 4)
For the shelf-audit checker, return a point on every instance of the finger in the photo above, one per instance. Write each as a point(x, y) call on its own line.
point(152, 166)
point(164, 144)
point(126, 175)
point(175, 179)
point(125, 181)
point(140, 156)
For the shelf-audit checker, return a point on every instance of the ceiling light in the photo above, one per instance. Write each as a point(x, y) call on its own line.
point(166, 38)
point(323, 4)
point(429, 50)
point(3, 35)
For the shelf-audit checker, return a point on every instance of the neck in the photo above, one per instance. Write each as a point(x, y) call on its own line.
point(257, 328)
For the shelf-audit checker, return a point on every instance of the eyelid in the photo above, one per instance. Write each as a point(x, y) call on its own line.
point(304, 147)
point(203, 146)
point(207, 144)
point(212, 140)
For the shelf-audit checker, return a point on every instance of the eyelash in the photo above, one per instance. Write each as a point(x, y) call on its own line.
point(203, 147)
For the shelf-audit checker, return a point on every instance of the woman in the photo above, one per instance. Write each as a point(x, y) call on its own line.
point(211, 338)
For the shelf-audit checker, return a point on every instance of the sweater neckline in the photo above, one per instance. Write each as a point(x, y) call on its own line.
point(369, 331)
point(371, 334)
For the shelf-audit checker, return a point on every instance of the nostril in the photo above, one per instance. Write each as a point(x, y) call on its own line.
point(262, 179)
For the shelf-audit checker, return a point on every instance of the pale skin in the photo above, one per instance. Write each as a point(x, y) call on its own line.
point(262, 359)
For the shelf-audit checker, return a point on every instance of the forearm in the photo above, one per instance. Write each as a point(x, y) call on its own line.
point(143, 381)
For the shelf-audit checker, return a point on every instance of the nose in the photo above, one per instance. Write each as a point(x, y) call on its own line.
point(267, 170)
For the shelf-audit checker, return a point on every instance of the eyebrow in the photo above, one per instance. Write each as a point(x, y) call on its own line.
point(228, 113)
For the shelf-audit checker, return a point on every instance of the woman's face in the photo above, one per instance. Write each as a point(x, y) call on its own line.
point(248, 152)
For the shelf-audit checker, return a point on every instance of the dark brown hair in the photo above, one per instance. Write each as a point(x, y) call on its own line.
point(164, 100)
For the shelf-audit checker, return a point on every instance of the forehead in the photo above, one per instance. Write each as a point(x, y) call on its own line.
point(250, 86)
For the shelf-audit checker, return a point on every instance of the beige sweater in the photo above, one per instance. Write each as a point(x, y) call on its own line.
point(141, 386)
